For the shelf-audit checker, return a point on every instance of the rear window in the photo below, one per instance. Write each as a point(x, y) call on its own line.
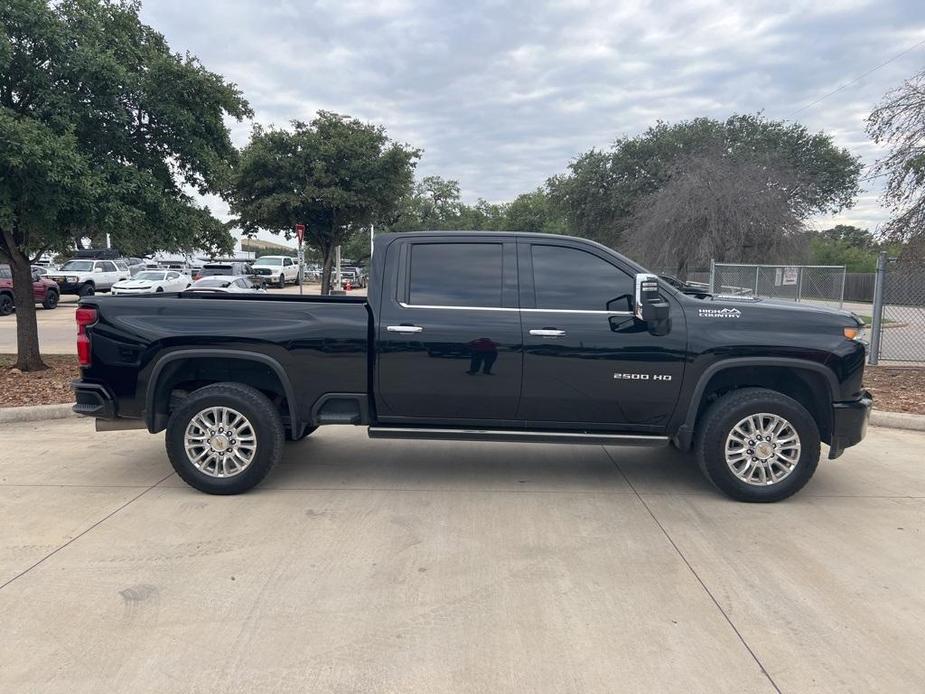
point(456, 274)
point(214, 282)
point(216, 270)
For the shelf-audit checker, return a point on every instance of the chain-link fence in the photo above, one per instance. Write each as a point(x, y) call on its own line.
point(898, 312)
point(823, 284)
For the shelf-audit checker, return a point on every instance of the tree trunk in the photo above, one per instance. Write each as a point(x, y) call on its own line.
point(27, 331)
point(327, 262)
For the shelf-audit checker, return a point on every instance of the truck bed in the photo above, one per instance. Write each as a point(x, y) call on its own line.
point(322, 343)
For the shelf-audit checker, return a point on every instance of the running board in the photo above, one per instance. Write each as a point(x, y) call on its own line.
point(516, 436)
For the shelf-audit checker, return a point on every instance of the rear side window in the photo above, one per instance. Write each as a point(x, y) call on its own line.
point(571, 279)
point(456, 274)
point(5, 272)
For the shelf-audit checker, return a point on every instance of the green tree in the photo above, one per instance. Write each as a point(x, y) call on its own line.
point(102, 130)
point(600, 195)
point(336, 175)
point(851, 246)
point(534, 212)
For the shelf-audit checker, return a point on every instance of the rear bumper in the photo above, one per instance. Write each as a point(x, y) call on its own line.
point(93, 400)
point(849, 423)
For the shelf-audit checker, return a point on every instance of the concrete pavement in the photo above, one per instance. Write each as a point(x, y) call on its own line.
point(430, 566)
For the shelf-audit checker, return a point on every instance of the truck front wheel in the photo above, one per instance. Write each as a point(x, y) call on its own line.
point(758, 445)
point(224, 438)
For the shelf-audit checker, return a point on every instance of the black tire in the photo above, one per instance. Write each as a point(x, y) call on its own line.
point(725, 414)
point(86, 290)
point(267, 428)
point(308, 431)
point(282, 282)
point(51, 300)
point(6, 304)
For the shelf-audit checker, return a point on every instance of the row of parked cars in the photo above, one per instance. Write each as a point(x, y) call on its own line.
point(85, 276)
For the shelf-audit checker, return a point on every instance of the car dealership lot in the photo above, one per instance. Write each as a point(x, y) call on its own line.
point(428, 566)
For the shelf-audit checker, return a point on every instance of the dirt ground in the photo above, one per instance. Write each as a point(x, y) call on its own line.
point(895, 389)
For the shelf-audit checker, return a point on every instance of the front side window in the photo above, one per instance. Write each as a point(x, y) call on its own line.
point(572, 279)
point(107, 266)
point(456, 274)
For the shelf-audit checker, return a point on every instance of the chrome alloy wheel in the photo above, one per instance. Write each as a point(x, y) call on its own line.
point(220, 442)
point(762, 449)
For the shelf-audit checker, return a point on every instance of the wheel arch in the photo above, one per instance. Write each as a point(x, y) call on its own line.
point(810, 383)
point(200, 367)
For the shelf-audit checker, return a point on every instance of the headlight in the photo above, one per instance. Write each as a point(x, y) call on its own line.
point(71, 279)
point(855, 332)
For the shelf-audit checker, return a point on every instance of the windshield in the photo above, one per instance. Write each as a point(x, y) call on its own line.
point(78, 265)
point(276, 262)
point(212, 282)
point(149, 276)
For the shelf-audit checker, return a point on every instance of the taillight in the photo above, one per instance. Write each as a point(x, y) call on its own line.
point(85, 317)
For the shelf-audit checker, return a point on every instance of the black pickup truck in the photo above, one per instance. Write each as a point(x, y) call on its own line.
point(488, 336)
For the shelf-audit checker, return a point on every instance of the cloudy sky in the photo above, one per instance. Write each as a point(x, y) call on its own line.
point(502, 95)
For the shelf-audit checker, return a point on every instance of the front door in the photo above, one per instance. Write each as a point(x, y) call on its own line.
point(449, 341)
point(587, 361)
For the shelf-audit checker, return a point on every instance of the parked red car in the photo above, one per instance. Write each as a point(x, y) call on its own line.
point(45, 291)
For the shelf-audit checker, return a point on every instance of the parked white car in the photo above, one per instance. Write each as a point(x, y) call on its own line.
point(86, 277)
point(277, 269)
point(231, 284)
point(152, 282)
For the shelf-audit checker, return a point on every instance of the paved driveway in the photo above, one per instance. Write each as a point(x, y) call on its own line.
point(395, 566)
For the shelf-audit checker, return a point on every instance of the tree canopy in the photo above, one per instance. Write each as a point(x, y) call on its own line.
point(336, 175)
point(103, 130)
point(899, 123)
point(600, 195)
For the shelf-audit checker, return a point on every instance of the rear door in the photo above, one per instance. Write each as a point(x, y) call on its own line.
point(587, 362)
point(449, 339)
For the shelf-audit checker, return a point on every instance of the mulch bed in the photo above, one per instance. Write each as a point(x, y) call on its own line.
point(895, 389)
point(40, 388)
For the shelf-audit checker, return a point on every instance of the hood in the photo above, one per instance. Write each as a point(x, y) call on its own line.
point(735, 307)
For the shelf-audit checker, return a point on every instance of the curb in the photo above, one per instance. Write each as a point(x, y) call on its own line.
point(898, 420)
point(36, 413)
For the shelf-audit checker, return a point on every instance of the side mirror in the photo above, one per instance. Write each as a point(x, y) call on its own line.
point(650, 307)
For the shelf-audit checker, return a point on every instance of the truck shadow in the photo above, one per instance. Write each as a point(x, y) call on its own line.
point(343, 458)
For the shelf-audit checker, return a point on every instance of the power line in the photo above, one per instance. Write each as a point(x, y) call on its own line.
point(858, 78)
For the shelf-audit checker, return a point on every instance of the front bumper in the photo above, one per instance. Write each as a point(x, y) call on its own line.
point(68, 287)
point(849, 423)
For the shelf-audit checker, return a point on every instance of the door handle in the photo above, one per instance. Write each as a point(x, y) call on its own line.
point(548, 332)
point(404, 328)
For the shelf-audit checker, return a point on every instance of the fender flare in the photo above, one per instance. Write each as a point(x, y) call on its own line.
point(685, 434)
point(209, 353)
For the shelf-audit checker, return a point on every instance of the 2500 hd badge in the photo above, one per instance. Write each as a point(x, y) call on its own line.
point(642, 377)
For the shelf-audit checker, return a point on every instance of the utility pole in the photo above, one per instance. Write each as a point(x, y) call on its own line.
point(877, 319)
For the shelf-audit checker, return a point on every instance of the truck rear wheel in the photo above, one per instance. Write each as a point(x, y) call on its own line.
point(224, 438)
point(758, 445)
